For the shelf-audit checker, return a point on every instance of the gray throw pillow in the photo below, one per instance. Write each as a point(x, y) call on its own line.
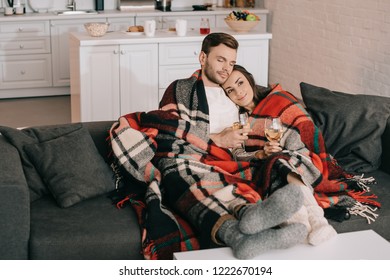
point(21, 137)
point(352, 125)
point(71, 167)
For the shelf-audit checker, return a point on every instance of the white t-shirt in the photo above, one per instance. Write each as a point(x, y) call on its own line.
point(222, 111)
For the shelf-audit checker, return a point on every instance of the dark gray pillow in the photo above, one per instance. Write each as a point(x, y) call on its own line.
point(352, 125)
point(71, 167)
point(19, 138)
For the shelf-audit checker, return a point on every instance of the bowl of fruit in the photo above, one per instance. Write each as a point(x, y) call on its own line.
point(242, 21)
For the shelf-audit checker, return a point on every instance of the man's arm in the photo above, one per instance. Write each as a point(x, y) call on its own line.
point(230, 138)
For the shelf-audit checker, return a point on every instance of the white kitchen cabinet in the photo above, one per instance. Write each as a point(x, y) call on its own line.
point(180, 60)
point(40, 41)
point(120, 74)
point(25, 71)
point(138, 78)
point(25, 55)
point(60, 41)
point(254, 56)
point(177, 61)
point(95, 86)
point(109, 81)
point(60, 47)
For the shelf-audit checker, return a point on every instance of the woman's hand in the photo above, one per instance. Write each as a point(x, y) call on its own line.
point(272, 147)
point(269, 149)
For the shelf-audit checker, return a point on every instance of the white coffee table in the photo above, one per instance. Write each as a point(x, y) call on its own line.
point(359, 245)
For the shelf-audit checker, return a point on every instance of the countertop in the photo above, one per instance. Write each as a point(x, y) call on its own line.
point(161, 36)
point(117, 13)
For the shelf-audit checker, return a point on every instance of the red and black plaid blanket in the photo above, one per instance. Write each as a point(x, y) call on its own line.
point(190, 182)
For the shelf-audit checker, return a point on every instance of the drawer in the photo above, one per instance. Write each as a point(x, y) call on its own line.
point(180, 53)
point(26, 71)
point(25, 46)
point(24, 29)
point(167, 74)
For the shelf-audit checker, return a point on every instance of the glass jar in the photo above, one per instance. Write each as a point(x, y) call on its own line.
point(204, 26)
point(240, 3)
point(250, 3)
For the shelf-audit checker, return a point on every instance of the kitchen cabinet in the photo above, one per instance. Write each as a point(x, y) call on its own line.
point(108, 81)
point(120, 74)
point(25, 55)
point(60, 30)
point(180, 60)
point(60, 47)
point(34, 47)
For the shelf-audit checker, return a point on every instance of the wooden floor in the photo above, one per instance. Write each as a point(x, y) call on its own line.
point(22, 112)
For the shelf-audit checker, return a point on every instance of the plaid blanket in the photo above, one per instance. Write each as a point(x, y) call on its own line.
point(190, 182)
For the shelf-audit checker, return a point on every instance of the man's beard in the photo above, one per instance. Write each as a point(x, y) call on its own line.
point(212, 76)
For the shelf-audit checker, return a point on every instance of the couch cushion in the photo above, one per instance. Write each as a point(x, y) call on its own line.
point(20, 138)
point(382, 223)
point(71, 167)
point(352, 125)
point(91, 230)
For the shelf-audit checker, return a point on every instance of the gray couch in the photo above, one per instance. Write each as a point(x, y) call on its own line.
point(94, 228)
point(91, 229)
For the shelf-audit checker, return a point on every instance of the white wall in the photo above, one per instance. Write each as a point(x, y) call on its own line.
point(343, 45)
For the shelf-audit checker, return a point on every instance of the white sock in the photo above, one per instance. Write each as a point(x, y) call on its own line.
point(321, 230)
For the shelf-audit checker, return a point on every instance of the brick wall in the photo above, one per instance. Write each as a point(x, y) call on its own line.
point(343, 45)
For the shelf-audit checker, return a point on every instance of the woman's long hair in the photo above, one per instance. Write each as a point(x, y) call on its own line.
point(259, 92)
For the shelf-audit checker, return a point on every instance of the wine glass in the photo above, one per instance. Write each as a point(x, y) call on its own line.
point(243, 118)
point(273, 129)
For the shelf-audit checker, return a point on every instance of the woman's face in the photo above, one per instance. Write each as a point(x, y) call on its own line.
point(239, 90)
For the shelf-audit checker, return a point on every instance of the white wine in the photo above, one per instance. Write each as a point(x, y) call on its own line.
point(273, 134)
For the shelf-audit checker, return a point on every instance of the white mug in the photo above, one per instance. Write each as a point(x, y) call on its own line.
point(181, 27)
point(150, 28)
point(8, 11)
point(19, 10)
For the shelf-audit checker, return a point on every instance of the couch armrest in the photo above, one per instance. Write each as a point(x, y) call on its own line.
point(385, 165)
point(14, 205)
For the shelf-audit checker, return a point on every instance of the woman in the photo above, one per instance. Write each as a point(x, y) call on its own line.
point(240, 87)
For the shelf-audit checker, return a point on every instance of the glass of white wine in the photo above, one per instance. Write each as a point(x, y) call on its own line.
point(273, 129)
point(243, 117)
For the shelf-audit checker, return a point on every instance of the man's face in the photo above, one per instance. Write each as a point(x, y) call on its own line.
point(217, 65)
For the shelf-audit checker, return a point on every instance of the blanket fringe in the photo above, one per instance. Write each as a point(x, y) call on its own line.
point(361, 182)
point(364, 211)
point(364, 198)
point(131, 200)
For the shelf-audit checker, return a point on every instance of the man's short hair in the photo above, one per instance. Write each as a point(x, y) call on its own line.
point(215, 39)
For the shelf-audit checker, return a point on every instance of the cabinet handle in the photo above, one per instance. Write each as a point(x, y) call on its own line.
point(20, 29)
point(123, 52)
point(196, 52)
point(23, 72)
point(115, 52)
point(21, 46)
